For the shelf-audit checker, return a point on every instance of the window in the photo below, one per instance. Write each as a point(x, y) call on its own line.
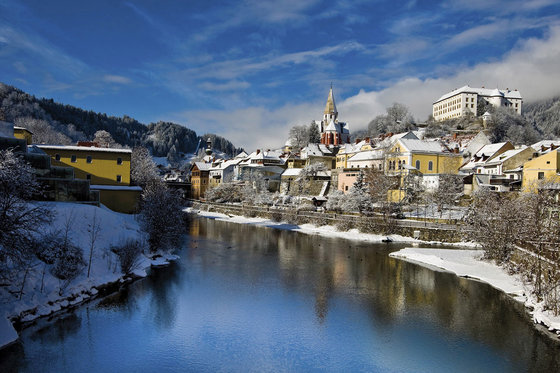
point(119, 178)
point(430, 166)
point(417, 165)
point(541, 175)
point(119, 160)
point(88, 177)
point(73, 158)
point(57, 157)
point(346, 187)
point(88, 159)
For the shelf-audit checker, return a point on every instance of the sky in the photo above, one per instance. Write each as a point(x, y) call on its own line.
point(250, 70)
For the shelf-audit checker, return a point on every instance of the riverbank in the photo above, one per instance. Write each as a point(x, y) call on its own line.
point(38, 293)
point(325, 230)
point(469, 264)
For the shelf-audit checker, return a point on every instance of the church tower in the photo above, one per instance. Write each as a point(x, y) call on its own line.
point(330, 113)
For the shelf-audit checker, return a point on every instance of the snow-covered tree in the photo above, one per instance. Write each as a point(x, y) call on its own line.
point(307, 175)
point(21, 221)
point(142, 168)
point(104, 139)
point(161, 215)
point(43, 132)
point(298, 136)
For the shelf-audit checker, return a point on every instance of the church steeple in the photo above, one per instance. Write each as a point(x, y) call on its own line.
point(330, 113)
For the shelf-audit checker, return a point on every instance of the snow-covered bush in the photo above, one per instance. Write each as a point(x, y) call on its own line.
point(336, 201)
point(129, 255)
point(223, 193)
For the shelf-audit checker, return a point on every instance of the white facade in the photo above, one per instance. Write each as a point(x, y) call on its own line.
point(464, 100)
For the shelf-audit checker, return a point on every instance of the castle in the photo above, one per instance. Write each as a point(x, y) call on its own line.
point(465, 100)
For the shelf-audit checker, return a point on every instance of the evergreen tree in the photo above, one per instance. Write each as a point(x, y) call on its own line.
point(313, 133)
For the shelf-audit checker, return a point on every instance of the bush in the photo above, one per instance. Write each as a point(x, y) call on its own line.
point(344, 224)
point(129, 255)
point(276, 216)
point(321, 220)
point(367, 225)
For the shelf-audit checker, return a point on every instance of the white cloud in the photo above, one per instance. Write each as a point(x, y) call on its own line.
point(532, 68)
point(118, 79)
point(232, 85)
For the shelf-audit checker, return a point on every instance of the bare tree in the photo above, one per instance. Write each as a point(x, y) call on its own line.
point(94, 229)
point(104, 139)
point(307, 175)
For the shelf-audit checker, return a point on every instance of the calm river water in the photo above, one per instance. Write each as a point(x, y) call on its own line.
point(243, 299)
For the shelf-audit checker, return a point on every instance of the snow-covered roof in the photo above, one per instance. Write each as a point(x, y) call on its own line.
point(489, 150)
point(414, 145)
point(366, 155)
point(85, 148)
point(487, 92)
point(506, 155)
point(332, 126)
point(292, 172)
point(315, 150)
point(243, 154)
point(203, 166)
point(546, 145)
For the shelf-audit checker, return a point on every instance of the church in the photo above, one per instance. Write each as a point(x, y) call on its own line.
point(332, 131)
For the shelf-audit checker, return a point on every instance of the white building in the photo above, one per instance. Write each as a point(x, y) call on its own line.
point(464, 100)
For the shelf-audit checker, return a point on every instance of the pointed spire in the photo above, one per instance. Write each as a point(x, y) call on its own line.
point(330, 108)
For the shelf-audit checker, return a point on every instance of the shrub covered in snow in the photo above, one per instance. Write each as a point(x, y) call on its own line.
point(129, 254)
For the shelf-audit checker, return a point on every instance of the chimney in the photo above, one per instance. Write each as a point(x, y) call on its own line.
point(258, 151)
point(455, 136)
point(482, 86)
point(368, 139)
point(358, 140)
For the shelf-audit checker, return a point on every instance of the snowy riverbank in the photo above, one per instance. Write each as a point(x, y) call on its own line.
point(326, 230)
point(463, 263)
point(468, 264)
point(42, 294)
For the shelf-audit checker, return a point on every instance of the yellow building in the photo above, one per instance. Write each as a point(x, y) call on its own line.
point(200, 172)
point(24, 134)
point(107, 169)
point(101, 166)
point(541, 169)
point(425, 159)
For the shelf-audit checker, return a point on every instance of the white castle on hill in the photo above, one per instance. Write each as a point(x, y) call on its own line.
point(464, 100)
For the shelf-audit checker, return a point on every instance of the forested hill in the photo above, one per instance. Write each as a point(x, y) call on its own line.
point(66, 124)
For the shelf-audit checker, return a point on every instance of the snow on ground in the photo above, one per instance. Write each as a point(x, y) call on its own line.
point(469, 264)
point(43, 295)
point(326, 230)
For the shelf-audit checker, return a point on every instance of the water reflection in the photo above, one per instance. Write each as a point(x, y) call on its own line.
point(255, 299)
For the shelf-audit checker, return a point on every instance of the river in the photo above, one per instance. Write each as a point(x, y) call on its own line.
point(244, 298)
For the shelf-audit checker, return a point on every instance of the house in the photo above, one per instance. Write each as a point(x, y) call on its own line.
point(367, 159)
point(484, 154)
point(542, 169)
point(502, 173)
point(200, 173)
point(106, 169)
point(24, 134)
point(222, 171)
point(420, 159)
point(319, 153)
point(317, 185)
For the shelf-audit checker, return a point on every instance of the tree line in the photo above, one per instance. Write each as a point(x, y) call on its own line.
point(55, 123)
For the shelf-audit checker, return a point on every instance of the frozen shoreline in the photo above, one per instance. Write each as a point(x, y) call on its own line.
point(468, 264)
point(463, 262)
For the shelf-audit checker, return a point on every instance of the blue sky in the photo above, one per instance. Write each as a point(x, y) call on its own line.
point(249, 70)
